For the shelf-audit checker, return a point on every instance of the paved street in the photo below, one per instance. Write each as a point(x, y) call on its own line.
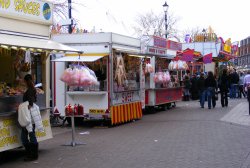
point(184, 137)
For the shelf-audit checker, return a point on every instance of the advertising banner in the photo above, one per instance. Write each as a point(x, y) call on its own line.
point(28, 10)
point(10, 132)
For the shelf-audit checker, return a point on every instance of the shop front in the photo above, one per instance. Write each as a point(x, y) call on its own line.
point(24, 49)
point(114, 61)
point(161, 84)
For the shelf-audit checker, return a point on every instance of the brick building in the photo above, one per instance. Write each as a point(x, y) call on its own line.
point(244, 53)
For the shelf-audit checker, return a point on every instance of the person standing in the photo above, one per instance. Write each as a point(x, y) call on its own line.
point(241, 85)
point(234, 80)
point(187, 86)
point(247, 86)
point(210, 85)
point(29, 139)
point(194, 90)
point(224, 87)
point(201, 89)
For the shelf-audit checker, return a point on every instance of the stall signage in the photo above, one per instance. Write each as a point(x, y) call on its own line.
point(28, 10)
point(126, 97)
point(96, 111)
point(10, 133)
point(157, 51)
point(160, 42)
point(168, 95)
point(172, 45)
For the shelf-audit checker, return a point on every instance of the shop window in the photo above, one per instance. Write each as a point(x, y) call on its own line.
point(15, 64)
point(126, 72)
point(96, 80)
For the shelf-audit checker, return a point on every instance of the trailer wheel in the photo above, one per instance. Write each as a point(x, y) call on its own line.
point(152, 109)
point(168, 106)
point(78, 120)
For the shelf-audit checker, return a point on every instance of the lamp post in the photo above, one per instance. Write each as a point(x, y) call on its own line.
point(165, 8)
point(70, 16)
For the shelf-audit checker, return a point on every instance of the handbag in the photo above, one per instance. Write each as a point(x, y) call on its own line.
point(216, 95)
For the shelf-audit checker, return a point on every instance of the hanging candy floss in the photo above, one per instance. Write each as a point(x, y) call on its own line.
point(177, 65)
point(149, 68)
point(162, 77)
point(79, 76)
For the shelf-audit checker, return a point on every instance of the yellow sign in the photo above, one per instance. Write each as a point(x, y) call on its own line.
point(96, 111)
point(10, 133)
point(31, 10)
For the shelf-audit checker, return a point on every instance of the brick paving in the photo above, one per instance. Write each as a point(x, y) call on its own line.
point(184, 137)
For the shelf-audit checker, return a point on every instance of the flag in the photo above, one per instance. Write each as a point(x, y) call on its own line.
point(188, 55)
point(207, 58)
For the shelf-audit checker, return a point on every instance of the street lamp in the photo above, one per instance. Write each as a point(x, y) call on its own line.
point(165, 8)
point(70, 16)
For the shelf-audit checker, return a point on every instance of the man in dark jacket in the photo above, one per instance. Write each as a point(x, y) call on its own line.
point(201, 89)
point(224, 87)
point(210, 84)
point(234, 80)
point(194, 91)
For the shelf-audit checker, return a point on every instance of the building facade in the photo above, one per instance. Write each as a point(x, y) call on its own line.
point(244, 53)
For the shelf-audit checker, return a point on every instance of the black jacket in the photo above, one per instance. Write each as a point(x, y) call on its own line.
point(224, 83)
point(201, 84)
point(210, 82)
point(30, 96)
point(234, 78)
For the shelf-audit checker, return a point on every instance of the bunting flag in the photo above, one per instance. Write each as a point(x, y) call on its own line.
point(188, 55)
point(208, 58)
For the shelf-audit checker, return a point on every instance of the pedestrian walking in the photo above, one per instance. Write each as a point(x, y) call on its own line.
point(241, 85)
point(234, 80)
point(247, 88)
point(201, 89)
point(224, 87)
point(210, 85)
point(194, 90)
point(187, 86)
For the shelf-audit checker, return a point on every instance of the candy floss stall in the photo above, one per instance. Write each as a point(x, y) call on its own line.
point(24, 49)
point(161, 83)
point(102, 83)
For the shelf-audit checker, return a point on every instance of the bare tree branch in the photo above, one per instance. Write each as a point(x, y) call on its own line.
point(151, 23)
point(190, 31)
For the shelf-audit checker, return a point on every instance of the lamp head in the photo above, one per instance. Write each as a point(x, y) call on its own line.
point(165, 6)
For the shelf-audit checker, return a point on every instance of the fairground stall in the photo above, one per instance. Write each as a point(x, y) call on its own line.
point(102, 83)
point(212, 47)
point(24, 49)
point(162, 85)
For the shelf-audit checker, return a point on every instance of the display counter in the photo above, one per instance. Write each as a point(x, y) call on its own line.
point(161, 96)
point(9, 104)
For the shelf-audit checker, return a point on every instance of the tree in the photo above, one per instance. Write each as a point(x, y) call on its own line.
point(151, 23)
point(61, 9)
point(60, 12)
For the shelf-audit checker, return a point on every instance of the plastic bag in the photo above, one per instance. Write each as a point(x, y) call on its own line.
point(170, 66)
point(66, 76)
point(149, 68)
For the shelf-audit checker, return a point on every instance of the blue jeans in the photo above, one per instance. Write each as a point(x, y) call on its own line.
point(210, 94)
point(233, 90)
point(202, 98)
point(27, 137)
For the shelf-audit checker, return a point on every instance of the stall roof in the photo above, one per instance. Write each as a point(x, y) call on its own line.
point(78, 59)
point(28, 42)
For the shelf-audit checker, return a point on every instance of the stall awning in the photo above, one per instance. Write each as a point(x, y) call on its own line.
point(28, 42)
point(78, 59)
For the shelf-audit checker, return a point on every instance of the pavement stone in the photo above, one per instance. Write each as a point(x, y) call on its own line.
point(239, 114)
point(186, 136)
